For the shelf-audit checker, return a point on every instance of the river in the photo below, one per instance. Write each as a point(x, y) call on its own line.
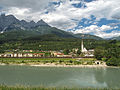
point(60, 76)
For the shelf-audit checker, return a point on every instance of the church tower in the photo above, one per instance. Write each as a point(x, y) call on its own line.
point(83, 49)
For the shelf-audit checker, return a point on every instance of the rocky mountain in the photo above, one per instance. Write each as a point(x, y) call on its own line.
point(13, 29)
point(6, 21)
point(10, 22)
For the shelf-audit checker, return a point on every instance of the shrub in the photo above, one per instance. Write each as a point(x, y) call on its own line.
point(104, 59)
point(113, 62)
point(60, 61)
point(23, 61)
point(71, 61)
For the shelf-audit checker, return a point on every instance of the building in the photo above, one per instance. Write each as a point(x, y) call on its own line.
point(22, 55)
point(83, 49)
point(56, 54)
point(87, 53)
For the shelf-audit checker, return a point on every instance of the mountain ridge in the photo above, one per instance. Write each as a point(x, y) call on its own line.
point(12, 28)
point(11, 22)
point(86, 36)
point(115, 38)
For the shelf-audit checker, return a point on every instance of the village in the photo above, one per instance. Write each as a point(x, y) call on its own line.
point(39, 54)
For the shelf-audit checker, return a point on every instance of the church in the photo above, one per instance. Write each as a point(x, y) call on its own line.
point(85, 52)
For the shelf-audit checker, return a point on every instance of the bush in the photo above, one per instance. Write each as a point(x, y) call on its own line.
point(71, 61)
point(113, 62)
point(104, 59)
point(66, 51)
point(23, 61)
point(60, 61)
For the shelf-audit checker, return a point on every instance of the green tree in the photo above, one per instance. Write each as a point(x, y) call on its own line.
point(99, 53)
point(112, 52)
point(1, 51)
point(113, 61)
point(66, 51)
point(79, 52)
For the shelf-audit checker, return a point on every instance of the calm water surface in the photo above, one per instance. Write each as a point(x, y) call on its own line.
point(60, 77)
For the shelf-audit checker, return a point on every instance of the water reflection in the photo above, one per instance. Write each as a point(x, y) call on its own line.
point(60, 77)
point(110, 76)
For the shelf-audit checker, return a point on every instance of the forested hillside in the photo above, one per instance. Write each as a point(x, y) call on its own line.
point(50, 42)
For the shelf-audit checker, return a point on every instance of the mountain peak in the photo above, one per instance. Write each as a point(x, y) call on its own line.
point(32, 21)
point(11, 20)
point(42, 23)
point(7, 20)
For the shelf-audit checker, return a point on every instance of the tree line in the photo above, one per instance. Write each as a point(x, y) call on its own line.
point(109, 53)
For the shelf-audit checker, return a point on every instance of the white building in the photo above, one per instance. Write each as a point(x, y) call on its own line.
point(83, 49)
point(87, 53)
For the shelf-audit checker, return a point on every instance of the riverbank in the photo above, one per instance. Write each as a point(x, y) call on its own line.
point(3, 87)
point(56, 65)
point(54, 62)
point(59, 65)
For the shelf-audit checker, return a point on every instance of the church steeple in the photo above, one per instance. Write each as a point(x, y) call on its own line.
point(83, 49)
point(82, 46)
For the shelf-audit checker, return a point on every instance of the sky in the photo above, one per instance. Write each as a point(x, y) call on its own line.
point(95, 17)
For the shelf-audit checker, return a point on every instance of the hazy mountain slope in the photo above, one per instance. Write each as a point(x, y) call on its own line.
point(115, 38)
point(43, 30)
point(87, 36)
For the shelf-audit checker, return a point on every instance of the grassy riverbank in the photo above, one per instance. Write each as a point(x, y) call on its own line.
point(37, 59)
point(49, 61)
point(3, 87)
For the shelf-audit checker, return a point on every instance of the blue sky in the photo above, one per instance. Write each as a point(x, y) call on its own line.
point(96, 17)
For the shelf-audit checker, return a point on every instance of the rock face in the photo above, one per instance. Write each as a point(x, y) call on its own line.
point(6, 21)
point(41, 23)
point(10, 22)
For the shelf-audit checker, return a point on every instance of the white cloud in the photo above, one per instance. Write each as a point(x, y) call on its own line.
point(18, 11)
point(99, 31)
point(66, 12)
point(94, 29)
point(105, 28)
point(61, 16)
point(25, 14)
point(99, 8)
point(109, 35)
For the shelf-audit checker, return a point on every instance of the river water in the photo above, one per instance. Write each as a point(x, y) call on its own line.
point(60, 76)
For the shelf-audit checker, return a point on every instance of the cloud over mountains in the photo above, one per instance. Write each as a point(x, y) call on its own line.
point(97, 17)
